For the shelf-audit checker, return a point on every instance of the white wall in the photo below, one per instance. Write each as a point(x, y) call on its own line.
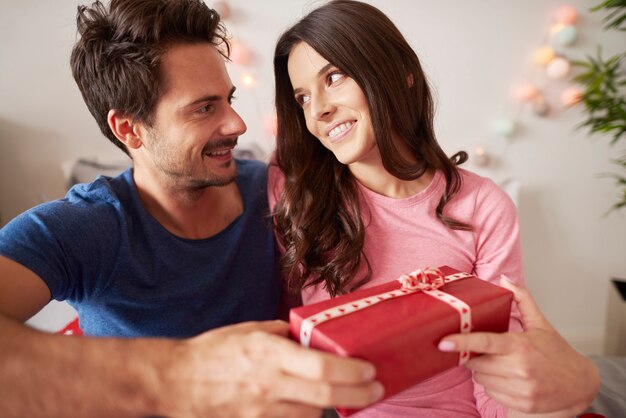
point(474, 52)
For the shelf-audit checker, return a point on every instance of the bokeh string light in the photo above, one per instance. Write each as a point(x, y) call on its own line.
point(551, 68)
point(243, 68)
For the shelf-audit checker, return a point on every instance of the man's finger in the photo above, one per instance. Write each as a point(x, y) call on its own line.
point(479, 342)
point(531, 314)
point(299, 361)
point(276, 327)
point(316, 365)
point(290, 410)
point(324, 395)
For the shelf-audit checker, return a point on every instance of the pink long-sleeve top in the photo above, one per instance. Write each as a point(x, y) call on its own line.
point(404, 234)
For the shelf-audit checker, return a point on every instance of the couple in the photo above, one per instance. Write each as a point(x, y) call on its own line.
point(173, 264)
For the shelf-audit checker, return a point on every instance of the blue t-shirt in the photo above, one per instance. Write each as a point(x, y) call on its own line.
point(126, 275)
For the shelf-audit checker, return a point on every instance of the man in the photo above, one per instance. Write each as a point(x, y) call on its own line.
point(173, 247)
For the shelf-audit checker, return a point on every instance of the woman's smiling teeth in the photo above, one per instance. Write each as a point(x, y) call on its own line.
point(339, 129)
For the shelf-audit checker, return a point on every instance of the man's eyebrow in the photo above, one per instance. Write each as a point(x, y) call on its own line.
point(320, 73)
point(211, 98)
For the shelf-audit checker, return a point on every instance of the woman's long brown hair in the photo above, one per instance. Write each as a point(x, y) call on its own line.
point(317, 218)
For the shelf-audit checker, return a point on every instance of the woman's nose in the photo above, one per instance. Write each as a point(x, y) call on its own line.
point(321, 107)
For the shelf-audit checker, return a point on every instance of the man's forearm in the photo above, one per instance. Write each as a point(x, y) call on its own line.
point(53, 375)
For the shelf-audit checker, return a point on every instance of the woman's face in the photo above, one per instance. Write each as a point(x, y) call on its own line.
point(335, 108)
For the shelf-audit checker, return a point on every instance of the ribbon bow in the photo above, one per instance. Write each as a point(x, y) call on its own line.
point(427, 279)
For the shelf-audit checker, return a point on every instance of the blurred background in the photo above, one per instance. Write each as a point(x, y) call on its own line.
point(505, 93)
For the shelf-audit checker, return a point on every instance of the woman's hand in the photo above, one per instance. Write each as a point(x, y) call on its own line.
point(535, 371)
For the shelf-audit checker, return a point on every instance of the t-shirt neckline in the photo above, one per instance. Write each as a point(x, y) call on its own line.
point(405, 201)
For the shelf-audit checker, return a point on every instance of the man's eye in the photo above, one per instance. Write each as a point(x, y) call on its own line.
point(230, 99)
point(205, 109)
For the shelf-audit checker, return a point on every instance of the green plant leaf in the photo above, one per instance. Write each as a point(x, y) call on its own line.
point(604, 91)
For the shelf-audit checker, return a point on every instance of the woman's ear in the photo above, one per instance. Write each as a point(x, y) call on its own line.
point(410, 80)
point(124, 129)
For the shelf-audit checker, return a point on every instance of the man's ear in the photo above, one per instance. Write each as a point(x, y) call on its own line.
point(124, 128)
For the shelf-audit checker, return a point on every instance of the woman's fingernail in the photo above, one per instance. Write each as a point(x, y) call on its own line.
point(446, 345)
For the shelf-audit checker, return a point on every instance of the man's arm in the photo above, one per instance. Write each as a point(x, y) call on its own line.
point(52, 375)
point(22, 292)
point(248, 369)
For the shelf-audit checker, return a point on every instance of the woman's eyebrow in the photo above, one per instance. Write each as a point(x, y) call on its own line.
point(321, 72)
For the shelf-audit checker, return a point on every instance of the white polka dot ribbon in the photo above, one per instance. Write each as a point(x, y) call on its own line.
point(427, 281)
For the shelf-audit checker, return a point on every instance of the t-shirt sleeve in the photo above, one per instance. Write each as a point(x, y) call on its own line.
point(63, 244)
point(275, 183)
point(498, 251)
point(497, 238)
point(275, 186)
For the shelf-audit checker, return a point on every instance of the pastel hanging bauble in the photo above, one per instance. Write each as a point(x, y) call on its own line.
point(271, 125)
point(566, 36)
point(555, 28)
point(566, 15)
point(524, 92)
point(504, 127)
point(223, 9)
point(480, 158)
point(571, 96)
point(558, 68)
point(543, 55)
point(541, 107)
point(239, 54)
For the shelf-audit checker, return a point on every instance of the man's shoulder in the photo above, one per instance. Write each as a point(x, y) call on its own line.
point(102, 190)
point(251, 168)
point(251, 176)
point(86, 206)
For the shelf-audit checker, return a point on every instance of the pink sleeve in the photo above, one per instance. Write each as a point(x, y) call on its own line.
point(498, 251)
point(275, 183)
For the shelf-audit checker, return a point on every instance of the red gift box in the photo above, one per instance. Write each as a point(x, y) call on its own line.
point(398, 328)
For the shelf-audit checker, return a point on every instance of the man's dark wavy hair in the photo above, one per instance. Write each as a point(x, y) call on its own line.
point(115, 61)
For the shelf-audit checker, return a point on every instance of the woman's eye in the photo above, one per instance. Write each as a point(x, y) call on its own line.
point(335, 77)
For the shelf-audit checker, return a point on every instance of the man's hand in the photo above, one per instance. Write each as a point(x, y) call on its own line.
point(535, 371)
point(251, 370)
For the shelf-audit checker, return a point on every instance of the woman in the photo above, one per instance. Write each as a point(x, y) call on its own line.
point(361, 190)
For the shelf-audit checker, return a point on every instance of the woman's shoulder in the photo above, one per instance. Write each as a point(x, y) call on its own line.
point(480, 194)
point(471, 179)
point(476, 185)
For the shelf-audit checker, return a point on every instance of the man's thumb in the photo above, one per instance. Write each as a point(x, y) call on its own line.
point(531, 314)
